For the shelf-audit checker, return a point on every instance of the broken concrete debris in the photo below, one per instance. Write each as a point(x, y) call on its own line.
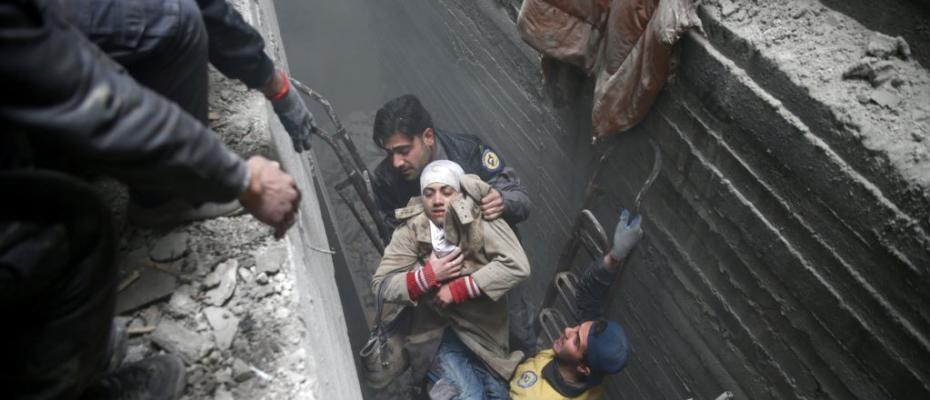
point(152, 315)
point(201, 321)
point(151, 286)
point(245, 274)
point(177, 339)
point(264, 291)
point(181, 304)
point(223, 281)
point(270, 260)
point(136, 352)
point(224, 325)
point(875, 71)
point(208, 337)
point(170, 248)
point(224, 376)
point(885, 98)
point(262, 279)
point(241, 371)
point(728, 7)
point(222, 394)
point(884, 46)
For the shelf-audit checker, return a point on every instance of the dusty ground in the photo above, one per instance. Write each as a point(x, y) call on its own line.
point(213, 292)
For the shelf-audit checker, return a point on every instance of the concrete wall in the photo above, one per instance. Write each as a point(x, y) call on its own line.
point(330, 364)
point(782, 258)
point(762, 273)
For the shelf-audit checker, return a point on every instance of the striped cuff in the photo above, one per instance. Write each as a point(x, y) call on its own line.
point(463, 289)
point(421, 281)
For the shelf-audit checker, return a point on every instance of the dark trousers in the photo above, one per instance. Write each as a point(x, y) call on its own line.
point(161, 43)
point(522, 332)
point(57, 285)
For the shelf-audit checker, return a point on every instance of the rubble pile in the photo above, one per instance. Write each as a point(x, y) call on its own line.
point(219, 294)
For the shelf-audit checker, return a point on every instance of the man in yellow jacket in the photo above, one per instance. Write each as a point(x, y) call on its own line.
point(575, 366)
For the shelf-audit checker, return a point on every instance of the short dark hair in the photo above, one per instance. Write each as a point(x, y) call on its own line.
point(404, 114)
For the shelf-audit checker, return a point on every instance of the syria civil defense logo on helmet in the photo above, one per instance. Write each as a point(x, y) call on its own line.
point(490, 160)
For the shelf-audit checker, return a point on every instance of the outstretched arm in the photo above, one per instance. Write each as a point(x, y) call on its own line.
point(596, 281)
point(68, 98)
point(238, 51)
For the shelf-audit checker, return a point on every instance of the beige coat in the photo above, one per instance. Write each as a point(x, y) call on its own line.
point(493, 257)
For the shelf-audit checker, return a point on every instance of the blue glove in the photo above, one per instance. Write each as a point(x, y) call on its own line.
point(296, 118)
point(627, 234)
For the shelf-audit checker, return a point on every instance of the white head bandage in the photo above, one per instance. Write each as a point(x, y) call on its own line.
point(441, 171)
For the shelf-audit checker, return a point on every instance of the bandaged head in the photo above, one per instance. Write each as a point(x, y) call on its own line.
point(442, 171)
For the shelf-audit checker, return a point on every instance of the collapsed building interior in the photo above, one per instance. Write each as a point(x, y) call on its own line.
point(786, 247)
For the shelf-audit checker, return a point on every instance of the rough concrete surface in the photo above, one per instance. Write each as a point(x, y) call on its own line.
point(786, 247)
point(229, 302)
point(213, 266)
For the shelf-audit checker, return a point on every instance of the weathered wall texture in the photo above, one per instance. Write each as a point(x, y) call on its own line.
point(787, 242)
point(786, 251)
point(786, 256)
point(330, 366)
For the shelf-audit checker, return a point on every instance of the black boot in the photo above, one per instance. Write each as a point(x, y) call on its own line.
point(160, 377)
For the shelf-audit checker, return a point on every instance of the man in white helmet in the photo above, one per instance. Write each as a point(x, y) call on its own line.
point(455, 267)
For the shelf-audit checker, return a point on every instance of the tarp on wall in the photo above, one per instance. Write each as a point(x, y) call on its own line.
point(625, 44)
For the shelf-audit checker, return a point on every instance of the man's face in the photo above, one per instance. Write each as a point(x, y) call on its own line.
point(436, 199)
point(572, 345)
point(410, 154)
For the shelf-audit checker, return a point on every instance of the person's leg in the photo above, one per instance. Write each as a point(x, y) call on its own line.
point(57, 285)
point(455, 365)
point(495, 388)
point(522, 331)
point(161, 43)
point(57, 295)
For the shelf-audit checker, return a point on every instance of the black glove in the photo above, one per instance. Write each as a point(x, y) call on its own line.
point(296, 118)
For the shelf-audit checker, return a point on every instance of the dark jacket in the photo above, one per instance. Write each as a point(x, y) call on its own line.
point(236, 48)
point(68, 106)
point(392, 191)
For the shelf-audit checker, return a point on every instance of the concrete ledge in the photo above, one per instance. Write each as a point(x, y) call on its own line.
point(331, 360)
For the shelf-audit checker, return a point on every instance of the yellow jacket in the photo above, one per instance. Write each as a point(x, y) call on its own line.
point(528, 382)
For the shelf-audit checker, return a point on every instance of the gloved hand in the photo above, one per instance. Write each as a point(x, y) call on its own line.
point(294, 115)
point(627, 234)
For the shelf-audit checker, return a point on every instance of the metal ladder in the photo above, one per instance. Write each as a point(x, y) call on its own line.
point(559, 310)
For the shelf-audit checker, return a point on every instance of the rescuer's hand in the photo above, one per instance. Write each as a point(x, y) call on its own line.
point(444, 296)
point(492, 205)
point(448, 266)
point(272, 196)
point(291, 110)
point(626, 235)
